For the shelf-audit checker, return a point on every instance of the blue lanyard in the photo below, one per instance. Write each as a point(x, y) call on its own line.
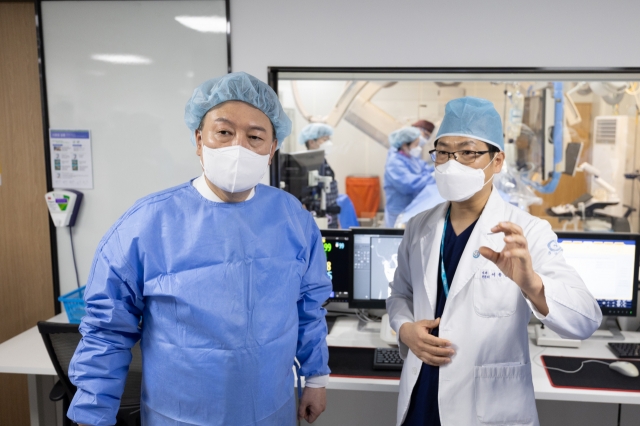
point(443, 274)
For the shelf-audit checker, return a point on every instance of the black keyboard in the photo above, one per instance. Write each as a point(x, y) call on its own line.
point(387, 359)
point(625, 350)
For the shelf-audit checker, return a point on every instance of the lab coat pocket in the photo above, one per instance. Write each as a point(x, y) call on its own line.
point(504, 394)
point(494, 295)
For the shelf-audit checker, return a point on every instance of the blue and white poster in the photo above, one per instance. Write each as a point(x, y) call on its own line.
point(71, 165)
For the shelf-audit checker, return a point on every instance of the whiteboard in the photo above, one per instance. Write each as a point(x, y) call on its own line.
point(134, 111)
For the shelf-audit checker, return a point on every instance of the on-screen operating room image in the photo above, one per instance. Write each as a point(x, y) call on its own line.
point(384, 261)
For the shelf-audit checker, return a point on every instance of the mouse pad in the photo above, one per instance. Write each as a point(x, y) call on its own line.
point(356, 362)
point(592, 376)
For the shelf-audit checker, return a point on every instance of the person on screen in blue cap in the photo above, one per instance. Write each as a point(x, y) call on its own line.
point(221, 279)
point(318, 136)
point(470, 272)
point(405, 174)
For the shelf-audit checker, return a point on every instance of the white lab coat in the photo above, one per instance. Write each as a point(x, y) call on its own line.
point(489, 378)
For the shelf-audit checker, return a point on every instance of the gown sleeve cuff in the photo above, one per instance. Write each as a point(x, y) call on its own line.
point(86, 408)
point(316, 381)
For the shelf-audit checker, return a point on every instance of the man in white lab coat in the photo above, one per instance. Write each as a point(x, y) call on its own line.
point(470, 272)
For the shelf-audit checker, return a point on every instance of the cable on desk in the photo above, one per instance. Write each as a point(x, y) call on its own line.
point(358, 313)
point(561, 370)
point(342, 313)
point(364, 316)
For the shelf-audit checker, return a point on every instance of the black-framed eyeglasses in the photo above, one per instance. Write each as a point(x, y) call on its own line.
point(463, 157)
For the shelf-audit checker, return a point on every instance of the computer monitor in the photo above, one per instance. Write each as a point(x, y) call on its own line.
point(608, 264)
point(294, 171)
point(337, 247)
point(374, 261)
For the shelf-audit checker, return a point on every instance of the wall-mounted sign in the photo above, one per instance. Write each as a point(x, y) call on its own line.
point(71, 165)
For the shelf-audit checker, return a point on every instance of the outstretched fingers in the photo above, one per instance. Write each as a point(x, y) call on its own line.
point(509, 228)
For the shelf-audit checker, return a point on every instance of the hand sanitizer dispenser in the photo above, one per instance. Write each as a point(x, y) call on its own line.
point(63, 206)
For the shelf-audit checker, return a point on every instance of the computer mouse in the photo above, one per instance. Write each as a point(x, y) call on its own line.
point(625, 368)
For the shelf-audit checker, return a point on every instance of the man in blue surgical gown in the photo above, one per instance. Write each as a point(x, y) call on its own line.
point(227, 275)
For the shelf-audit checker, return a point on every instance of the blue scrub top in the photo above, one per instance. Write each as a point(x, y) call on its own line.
point(423, 407)
point(404, 177)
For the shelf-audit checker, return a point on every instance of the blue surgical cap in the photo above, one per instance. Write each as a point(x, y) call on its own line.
point(237, 86)
point(473, 117)
point(404, 135)
point(314, 131)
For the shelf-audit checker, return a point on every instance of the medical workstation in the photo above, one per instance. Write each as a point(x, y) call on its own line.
point(156, 273)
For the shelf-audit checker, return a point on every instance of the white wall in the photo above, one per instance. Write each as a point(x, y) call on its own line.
point(430, 33)
point(134, 112)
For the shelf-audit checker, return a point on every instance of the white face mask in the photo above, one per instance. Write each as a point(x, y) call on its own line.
point(416, 152)
point(233, 168)
point(457, 182)
point(327, 147)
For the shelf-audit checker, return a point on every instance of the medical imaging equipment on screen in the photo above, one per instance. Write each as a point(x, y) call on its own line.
point(375, 259)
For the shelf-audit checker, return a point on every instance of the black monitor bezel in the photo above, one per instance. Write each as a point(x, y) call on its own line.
point(359, 303)
point(299, 186)
point(342, 233)
point(618, 312)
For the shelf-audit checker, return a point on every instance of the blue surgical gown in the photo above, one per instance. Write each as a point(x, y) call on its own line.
point(228, 294)
point(404, 177)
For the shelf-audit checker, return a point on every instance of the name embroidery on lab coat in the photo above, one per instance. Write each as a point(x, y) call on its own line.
point(488, 274)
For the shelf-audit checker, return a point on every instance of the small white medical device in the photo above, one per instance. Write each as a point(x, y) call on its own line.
point(387, 334)
point(63, 206)
point(546, 337)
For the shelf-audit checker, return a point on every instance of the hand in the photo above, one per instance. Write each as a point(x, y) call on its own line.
point(515, 262)
point(430, 349)
point(312, 404)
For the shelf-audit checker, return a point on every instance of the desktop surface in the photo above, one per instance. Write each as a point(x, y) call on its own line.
point(26, 353)
point(345, 334)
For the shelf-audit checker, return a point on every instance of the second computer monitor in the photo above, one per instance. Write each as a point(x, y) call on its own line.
point(375, 259)
point(295, 168)
point(608, 265)
point(337, 248)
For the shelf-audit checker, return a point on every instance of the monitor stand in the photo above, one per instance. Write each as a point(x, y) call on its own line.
point(611, 325)
point(368, 327)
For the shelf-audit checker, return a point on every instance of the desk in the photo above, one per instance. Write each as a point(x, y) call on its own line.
point(345, 333)
point(26, 354)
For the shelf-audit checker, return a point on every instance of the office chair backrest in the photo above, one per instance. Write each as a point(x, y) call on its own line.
point(133, 386)
point(62, 340)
